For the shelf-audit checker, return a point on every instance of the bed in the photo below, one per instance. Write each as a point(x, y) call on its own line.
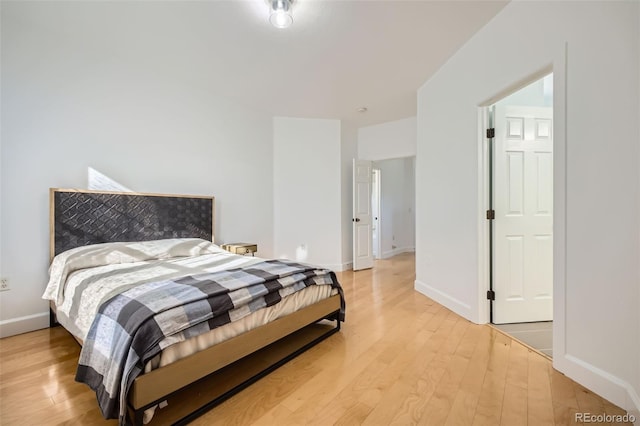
point(206, 324)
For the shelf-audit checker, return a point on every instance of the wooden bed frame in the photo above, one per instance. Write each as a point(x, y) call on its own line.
point(195, 384)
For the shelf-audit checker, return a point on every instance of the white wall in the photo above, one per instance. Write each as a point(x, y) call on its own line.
point(394, 139)
point(397, 196)
point(597, 193)
point(307, 190)
point(69, 104)
point(410, 200)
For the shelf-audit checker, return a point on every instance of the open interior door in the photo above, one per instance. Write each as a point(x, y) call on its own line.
point(362, 231)
point(523, 226)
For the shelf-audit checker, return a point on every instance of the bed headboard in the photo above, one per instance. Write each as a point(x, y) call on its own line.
point(83, 217)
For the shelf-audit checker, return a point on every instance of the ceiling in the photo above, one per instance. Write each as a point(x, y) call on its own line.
point(337, 56)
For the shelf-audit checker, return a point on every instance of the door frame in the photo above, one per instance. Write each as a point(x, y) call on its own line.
point(558, 68)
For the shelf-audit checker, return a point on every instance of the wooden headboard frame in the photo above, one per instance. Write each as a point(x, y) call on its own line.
point(82, 217)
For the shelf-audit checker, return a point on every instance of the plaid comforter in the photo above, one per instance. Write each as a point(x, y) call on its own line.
point(136, 325)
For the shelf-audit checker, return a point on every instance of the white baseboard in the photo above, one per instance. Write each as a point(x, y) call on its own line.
point(346, 266)
point(457, 306)
point(394, 252)
point(20, 325)
point(336, 267)
point(606, 385)
point(633, 402)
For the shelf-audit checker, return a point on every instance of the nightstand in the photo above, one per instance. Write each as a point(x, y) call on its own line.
point(241, 248)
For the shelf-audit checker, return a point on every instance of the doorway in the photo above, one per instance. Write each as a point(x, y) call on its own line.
point(384, 227)
point(396, 224)
point(521, 214)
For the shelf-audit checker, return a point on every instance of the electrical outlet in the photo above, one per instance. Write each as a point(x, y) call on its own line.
point(4, 284)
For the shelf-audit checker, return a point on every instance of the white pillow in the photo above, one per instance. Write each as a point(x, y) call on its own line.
point(96, 255)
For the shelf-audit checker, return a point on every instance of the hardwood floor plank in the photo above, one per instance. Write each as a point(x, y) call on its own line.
point(430, 368)
point(588, 402)
point(273, 416)
point(514, 406)
point(387, 407)
point(565, 404)
point(466, 401)
point(463, 409)
point(489, 408)
point(540, 407)
point(518, 369)
point(354, 416)
point(440, 404)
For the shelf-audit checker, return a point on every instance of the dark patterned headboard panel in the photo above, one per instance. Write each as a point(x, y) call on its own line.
point(81, 217)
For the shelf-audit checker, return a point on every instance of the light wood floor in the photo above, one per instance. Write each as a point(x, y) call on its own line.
point(400, 359)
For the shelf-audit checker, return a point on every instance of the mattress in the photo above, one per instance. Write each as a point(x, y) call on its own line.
point(83, 278)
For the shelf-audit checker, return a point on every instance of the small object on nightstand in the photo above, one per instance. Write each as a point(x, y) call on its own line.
point(241, 248)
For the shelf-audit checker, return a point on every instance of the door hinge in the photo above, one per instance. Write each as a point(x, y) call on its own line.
point(491, 295)
point(491, 133)
point(491, 214)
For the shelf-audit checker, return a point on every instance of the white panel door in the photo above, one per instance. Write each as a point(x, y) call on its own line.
point(375, 213)
point(362, 232)
point(523, 204)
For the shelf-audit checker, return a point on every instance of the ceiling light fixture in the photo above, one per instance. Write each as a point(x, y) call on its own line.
point(280, 16)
